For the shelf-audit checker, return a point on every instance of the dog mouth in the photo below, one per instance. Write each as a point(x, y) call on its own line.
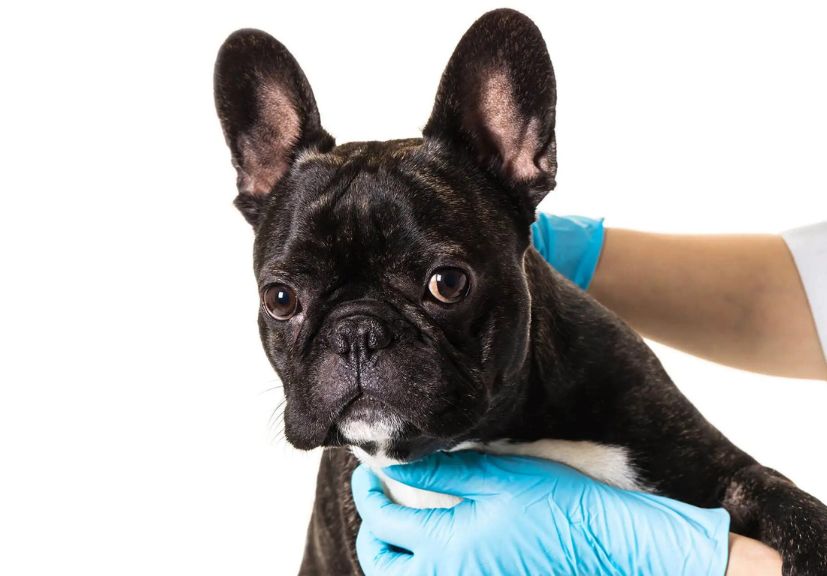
point(364, 408)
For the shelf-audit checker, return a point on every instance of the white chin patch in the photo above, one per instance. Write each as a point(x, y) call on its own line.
point(604, 462)
point(361, 431)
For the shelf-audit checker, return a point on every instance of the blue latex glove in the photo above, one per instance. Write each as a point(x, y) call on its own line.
point(524, 515)
point(571, 244)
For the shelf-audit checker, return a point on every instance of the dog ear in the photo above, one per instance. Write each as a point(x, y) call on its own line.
point(497, 100)
point(267, 111)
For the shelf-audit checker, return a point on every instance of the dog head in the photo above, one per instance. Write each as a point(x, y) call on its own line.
point(394, 301)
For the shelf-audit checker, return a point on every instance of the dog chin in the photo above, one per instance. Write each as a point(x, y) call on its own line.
point(385, 438)
point(381, 431)
point(371, 427)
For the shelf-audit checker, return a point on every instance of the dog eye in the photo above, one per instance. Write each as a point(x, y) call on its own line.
point(280, 301)
point(448, 285)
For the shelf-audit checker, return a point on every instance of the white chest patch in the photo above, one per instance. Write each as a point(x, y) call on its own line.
point(607, 463)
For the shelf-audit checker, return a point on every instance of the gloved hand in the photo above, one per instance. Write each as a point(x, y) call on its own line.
point(524, 515)
point(571, 244)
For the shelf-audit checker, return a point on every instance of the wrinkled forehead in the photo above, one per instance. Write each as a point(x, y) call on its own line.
point(393, 206)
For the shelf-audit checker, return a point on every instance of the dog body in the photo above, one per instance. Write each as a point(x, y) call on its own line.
point(406, 312)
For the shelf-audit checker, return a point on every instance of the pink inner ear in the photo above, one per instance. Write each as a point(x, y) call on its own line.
point(516, 137)
point(266, 151)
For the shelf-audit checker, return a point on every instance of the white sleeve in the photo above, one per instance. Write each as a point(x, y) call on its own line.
point(808, 246)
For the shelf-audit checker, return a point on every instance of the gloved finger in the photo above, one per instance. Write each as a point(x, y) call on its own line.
point(378, 558)
point(398, 525)
point(466, 474)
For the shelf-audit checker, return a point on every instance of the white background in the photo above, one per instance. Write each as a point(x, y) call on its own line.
point(134, 435)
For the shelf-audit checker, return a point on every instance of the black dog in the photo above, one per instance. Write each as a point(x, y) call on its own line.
point(406, 312)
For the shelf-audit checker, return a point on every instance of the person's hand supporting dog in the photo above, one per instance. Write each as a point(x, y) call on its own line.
point(523, 515)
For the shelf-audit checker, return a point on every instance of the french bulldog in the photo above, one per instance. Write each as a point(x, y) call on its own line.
point(406, 311)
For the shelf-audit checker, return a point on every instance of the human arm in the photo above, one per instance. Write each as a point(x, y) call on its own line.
point(748, 557)
point(733, 299)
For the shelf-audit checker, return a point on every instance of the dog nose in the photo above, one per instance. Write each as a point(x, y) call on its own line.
point(360, 336)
